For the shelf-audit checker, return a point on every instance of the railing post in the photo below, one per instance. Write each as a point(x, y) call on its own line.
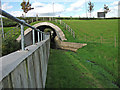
point(38, 36)
point(33, 36)
point(22, 37)
point(41, 36)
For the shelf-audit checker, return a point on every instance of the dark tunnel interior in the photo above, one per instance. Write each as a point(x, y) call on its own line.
point(49, 29)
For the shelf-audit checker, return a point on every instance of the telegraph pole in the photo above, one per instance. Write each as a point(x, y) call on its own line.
point(86, 8)
point(1, 21)
point(53, 8)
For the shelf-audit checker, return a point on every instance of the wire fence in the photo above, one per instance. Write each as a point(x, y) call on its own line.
point(100, 39)
point(66, 27)
point(84, 38)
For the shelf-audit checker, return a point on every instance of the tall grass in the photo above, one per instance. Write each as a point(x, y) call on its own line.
point(98, 61)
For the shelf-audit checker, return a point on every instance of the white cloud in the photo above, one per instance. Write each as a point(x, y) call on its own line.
point(16, 13)
point(37, 4)
point(5, 6)
point(76, 6)
point(75, 9)
point(42, 10)
point(46, 9)
point(56, 0)
point(114, 3)
point(113, 11)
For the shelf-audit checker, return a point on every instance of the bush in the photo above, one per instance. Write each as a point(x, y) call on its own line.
point(9, 45)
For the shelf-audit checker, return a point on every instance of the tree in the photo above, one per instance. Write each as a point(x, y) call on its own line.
point(106, 9)
point(91, 5)
point(26, 6)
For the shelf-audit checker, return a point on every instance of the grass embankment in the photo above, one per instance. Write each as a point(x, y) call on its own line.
point(95, 65)
point(9, 43)
point(92, 66)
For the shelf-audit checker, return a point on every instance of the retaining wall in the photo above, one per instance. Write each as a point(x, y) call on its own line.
point(25, 69)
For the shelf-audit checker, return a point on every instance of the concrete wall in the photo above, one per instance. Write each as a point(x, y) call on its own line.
point(68, 45)
point(58, 31)
point(25, 69)
point(28, 39)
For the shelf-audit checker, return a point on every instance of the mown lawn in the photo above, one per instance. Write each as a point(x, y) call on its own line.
point(93, 66)
point(94, 29)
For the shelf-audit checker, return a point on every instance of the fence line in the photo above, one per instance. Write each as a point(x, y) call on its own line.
point(100, 39)
point(69, 29)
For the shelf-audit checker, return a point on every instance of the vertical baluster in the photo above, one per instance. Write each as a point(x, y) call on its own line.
point(22, 37)
point(33, 36)
point(41, 36)
point(38, 36)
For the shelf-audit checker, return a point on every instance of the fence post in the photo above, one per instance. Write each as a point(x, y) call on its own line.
point(60, 21)
point(33, 36)
point(56, 20)
point(27, 21)
point(66, 26)
point(71, 31)
point(38, 36)
point(73, 34)
point(36, 17)
point(115, 41)
point(43, 18)
point(101, 39)
point(22, 37)
point(49, 19)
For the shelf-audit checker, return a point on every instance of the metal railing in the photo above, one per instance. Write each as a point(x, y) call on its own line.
point(23, 23)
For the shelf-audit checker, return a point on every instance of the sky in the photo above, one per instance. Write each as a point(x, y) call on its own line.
point(61, 8)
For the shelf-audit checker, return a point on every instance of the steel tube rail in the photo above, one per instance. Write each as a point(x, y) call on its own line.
point(33, 31)
point(23, 23)
point(38, 36)
point(3, 13)
point(41, 36)
point(22, 36)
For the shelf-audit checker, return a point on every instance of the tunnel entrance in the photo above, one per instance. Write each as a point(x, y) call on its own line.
point(45, 28)
point(57, 37)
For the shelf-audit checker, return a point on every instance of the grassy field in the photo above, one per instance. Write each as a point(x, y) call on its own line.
point(94, 29)
point(95, 65)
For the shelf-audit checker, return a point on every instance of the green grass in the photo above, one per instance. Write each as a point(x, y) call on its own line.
point(6, 29)
point(13, 30)
point(94, 29)
point(72, 70)
point(67, 69)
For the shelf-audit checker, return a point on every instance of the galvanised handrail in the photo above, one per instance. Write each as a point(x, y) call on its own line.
point(22, 22)
point(3, 13)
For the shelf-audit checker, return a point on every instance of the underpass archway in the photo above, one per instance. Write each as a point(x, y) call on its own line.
point(42, 26)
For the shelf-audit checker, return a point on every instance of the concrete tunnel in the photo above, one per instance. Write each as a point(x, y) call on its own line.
point(51, 31)
point(57, 37)
point(44, 27)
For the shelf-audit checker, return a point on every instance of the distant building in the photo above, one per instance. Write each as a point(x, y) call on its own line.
point(101, 14)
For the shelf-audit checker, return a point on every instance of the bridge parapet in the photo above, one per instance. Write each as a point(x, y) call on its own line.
point(25, 69)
